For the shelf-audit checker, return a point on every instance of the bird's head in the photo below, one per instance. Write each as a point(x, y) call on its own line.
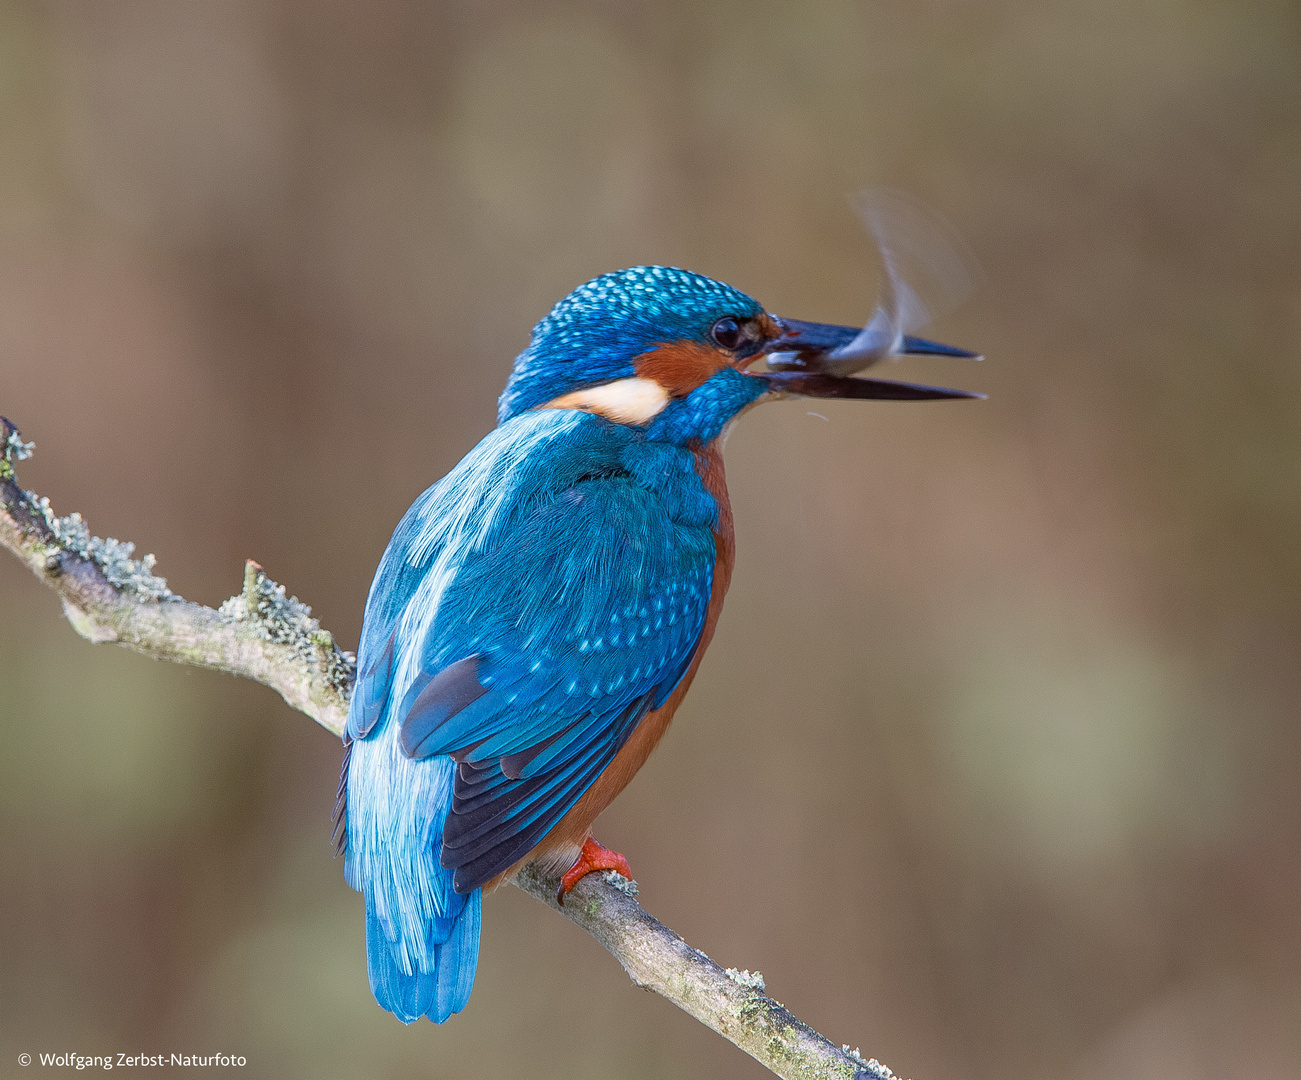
point(671, 351)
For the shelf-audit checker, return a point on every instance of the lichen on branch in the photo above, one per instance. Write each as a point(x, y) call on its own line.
point(288, 621)
point(14, 448)
point(71, 534)
point(109, 596)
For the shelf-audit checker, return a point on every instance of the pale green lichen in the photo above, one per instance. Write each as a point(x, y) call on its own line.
point(16, 449)
point(625, 885)
point(754, 1007)
point(70, 533)
point(113, 557)
point(286, 620)
point(751, 980)
point(12, 449)
point(871, 1066)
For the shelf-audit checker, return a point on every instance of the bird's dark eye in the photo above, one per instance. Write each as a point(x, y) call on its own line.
point(728, 333)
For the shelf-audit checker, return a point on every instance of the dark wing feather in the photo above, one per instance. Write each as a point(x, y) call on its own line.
point(437, 700)
point(489, 832)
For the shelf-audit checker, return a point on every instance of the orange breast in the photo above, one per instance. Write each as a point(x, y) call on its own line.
point(561, 845)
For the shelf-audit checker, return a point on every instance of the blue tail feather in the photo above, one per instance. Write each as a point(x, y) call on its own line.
point(439, 992)
point(458, 957)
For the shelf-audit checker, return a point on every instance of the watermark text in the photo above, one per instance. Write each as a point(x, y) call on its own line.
point(123, 1060)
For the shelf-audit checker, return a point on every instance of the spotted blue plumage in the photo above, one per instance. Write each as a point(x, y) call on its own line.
point(531, 608)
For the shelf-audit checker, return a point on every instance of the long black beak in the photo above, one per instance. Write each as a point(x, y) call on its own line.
point(812, 384)
point(809, 364)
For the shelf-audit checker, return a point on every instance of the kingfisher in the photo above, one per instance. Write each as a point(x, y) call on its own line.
point(541, 610)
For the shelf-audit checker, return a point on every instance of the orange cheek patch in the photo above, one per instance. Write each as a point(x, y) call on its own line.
point(768, 326)
point(680, 366)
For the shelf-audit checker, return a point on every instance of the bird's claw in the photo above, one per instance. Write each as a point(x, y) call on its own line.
point(592, 857)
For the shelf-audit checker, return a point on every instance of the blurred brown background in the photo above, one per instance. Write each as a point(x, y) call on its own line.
point(993, 767)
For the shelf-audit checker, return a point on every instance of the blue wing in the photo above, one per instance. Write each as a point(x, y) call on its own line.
point(547, 650)
point(530, 608)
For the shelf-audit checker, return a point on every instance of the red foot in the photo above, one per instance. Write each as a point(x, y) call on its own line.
point(593, 857)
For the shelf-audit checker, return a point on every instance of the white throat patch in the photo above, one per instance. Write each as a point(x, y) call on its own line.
point(627, 401)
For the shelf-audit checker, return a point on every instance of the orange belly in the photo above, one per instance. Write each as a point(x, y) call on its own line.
point(560, 847)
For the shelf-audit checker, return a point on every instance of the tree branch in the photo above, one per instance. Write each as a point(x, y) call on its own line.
point(262, 635)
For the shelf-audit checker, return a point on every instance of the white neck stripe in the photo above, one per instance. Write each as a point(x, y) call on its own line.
point(626, 401)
